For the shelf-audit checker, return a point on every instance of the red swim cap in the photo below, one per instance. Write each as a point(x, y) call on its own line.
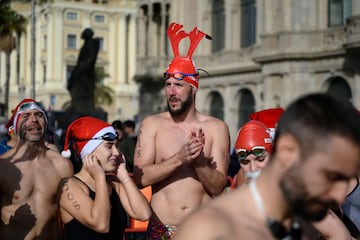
point(251, 134)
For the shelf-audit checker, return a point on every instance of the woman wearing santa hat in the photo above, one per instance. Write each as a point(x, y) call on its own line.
point(92, 202)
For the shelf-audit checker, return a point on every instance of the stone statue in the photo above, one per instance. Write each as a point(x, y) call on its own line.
point(81, 83)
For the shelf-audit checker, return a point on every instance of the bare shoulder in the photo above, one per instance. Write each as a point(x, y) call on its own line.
point(156, 119)
point(71, 185)
point(213, 220)
point(8, 153)
point(212, 122)
point(62, 165)
point(152, 122)
point(207, 223)
point(228, 216)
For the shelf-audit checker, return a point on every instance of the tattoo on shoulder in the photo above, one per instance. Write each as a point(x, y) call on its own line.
point(70, 196)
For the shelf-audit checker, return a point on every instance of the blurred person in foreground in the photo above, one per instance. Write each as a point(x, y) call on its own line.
point(29, 175)
point(94, 203)
point(253, 147)
point(182, 153)
point(316, 152)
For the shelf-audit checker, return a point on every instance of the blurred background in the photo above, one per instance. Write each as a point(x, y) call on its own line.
point(264, 53)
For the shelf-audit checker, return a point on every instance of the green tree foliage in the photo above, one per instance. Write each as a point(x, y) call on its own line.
point(103, 94)
point(11, 24)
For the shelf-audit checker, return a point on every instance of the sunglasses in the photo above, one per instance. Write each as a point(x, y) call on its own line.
point(27, 105)
point(178, 75)
point(107, 137)
point(257, 151)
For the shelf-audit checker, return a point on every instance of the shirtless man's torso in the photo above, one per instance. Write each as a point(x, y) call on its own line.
point(177, 188)
point(29, 177)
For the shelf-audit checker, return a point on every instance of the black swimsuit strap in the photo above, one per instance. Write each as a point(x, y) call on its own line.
point(82, 182)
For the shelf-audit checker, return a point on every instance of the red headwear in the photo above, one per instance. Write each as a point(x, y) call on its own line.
point(85, 128)
point(252, 134)
point(24, 105)
point(184, 64)
point(269, 117)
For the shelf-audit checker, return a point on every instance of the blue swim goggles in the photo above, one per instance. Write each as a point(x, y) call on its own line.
point(178, 75)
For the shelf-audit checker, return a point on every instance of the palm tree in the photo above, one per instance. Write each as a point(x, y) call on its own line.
point(102, 92)
point(10, 23)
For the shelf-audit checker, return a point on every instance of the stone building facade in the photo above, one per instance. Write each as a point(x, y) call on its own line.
point(58, 29)
point(264, 53)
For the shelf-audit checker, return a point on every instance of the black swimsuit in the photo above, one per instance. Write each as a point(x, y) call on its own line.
point(74, 230)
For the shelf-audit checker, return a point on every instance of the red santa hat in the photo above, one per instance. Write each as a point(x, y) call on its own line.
point(253, 134)
point(23, 106)
point(269, 117)
point(86, 134)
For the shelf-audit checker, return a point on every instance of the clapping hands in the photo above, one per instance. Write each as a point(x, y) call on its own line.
point(193, 146)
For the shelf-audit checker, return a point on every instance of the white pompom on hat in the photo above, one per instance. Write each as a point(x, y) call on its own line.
point(81, 133)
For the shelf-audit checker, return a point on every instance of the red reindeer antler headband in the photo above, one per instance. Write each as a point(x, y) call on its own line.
point(184, 65)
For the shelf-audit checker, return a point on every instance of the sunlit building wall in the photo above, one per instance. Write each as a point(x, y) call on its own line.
point(264, 53)
point(59, 25)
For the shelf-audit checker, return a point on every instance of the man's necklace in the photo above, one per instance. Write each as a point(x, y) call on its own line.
point(277, 229)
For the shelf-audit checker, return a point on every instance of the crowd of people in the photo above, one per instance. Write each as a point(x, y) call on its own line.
point(296, 178)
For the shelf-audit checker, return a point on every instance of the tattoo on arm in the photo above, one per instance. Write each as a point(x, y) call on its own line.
point(138, 152)
point(70, 197)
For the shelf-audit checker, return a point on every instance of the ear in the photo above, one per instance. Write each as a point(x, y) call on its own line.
point(287, 150)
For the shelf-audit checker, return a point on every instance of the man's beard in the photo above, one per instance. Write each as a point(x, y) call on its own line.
point(299, 200)
point(183, 108)
point(23, 134)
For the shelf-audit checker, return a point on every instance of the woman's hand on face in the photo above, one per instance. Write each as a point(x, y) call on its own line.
point(93, 166)
point(122, 173)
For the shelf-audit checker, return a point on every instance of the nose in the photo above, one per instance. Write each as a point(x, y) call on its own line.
point(115, 150)
point(253, 166)
point(33, 117)
point(172, 90)
point(339, 191)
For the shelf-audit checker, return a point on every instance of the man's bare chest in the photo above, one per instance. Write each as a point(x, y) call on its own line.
point(171, 140)
point(28, 179)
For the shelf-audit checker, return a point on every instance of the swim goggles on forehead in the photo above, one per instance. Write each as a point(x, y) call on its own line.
point(257, 151)
point(178, 75)
point(107, 137)
point(27, 105)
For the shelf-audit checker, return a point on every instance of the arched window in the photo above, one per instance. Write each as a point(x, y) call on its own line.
point(218, 25)
point(217, 106)
point(339, 87)
point(246, 106)
point(248, 23)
